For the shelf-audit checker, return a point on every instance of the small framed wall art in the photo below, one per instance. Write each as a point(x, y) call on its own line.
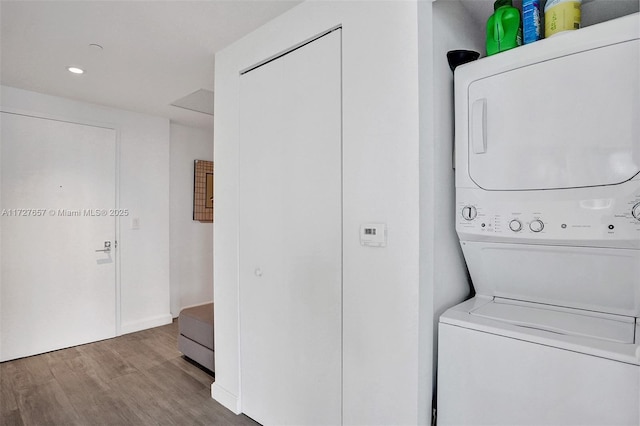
point(203, 190)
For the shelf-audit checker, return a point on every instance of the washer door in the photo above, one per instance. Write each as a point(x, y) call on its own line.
point(558, 124)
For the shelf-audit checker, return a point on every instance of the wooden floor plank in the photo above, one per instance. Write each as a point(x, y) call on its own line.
point(46, 404)
point(104, 361)
point(105, 408)
point(93, 400)
point(8, 403)
point(11, 418)
point(149, 401)
point(28, 372)
point(135, 379)
point(190, 368)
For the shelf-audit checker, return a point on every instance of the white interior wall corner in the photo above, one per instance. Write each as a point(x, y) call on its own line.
point(426, 372)
point(191, 242)
point(451, 279)
point(446, 267)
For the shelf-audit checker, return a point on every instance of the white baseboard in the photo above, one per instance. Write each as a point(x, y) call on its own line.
point(131, 327)
point(226, 398)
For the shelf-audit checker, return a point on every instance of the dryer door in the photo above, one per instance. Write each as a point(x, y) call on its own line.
point(565, 123)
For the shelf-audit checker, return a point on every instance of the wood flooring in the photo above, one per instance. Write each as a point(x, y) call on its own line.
point(135, 379)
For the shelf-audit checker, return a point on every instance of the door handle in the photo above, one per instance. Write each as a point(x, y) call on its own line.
point(107, 247)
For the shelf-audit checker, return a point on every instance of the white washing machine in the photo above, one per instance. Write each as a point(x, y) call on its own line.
point(548, 216)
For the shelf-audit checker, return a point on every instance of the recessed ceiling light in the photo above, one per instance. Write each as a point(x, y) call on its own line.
point(75, 70)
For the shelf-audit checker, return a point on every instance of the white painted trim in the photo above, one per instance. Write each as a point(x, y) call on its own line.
point(118, 225)
point(144, 324)
point(289, 50)
point(226, 398)
point(55, 117)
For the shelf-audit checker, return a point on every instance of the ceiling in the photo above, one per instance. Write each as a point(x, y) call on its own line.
point(153, 52)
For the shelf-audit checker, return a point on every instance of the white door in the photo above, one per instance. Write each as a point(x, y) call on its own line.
point(58, 186)
point(290, 237)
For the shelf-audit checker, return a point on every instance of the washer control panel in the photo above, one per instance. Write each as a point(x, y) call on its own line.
point(515, 225)
point(536, 225)
point(543, 219)
point(469, 212)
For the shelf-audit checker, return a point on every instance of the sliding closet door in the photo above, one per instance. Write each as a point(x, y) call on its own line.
point(291, 237)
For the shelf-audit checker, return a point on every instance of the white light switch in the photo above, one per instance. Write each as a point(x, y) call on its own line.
point(373, 234)
point(135, 223)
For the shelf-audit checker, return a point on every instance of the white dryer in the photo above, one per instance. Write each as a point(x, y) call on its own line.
point(548, 217)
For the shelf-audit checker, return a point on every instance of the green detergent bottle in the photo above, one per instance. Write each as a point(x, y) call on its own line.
point(504, 28)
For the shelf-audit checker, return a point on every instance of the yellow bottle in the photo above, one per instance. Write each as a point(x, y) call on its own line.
point(561, 15)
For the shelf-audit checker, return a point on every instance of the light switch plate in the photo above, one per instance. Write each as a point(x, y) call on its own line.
point(373, 234)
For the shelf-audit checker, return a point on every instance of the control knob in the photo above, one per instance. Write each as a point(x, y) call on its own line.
point(469, 212)
point(635, 211)
point(536, 225)
point(515, 225)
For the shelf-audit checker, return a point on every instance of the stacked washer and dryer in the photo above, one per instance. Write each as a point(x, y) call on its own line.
point(548, 217)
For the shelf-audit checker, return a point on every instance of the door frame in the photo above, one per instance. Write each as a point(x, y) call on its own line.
point(117, 225)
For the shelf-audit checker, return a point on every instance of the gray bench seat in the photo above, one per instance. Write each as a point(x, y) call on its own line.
point(195, 340)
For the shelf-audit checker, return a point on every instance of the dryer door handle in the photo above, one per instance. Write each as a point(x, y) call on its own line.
point(479, 126)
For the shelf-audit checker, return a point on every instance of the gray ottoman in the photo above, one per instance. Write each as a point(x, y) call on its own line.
point(195, 340)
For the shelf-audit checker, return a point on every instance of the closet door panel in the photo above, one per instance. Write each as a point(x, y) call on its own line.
point(291, 237)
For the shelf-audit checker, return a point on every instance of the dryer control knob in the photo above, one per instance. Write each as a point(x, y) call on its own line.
point(469, 212)
point(515, 225)
point(635, 211)
point(536, 225)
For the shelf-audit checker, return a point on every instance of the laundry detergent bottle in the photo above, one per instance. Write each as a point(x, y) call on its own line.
point(504, 28)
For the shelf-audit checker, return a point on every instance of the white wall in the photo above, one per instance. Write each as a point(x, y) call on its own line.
point(381, 353)
point(449, 18)
point(444, 26)
point(143, 143)
point(191, 249)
